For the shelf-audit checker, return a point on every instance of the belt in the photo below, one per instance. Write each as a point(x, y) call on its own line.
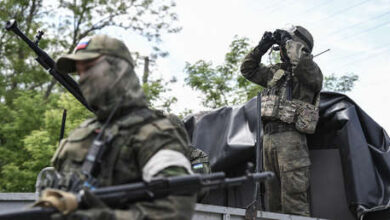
point(273, 127)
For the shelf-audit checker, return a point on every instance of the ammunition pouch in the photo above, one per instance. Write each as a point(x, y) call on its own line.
point(304, 115)
point(287, 110)
point(274, 108)
point(273, 127)
point(269, 107)
point(307, 117)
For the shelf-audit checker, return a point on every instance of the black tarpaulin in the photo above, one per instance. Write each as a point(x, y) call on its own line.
point(228, 136)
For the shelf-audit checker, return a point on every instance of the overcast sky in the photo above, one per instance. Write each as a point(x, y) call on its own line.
point(356, 31)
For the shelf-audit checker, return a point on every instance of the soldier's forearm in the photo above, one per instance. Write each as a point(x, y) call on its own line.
point(250, 63)
point(309, 73)
point(253, 70)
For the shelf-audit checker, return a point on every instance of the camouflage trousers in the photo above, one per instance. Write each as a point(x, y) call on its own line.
point(286, 154)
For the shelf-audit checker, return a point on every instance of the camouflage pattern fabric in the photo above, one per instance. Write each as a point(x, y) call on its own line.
point(199, 161)
point(134, 136)
point(285, 151)
point(287, 110)
point(198, 158)
point(294, 51)
point(110, 81)
point(307, 117)
point(91, 48)
point(286, 154)
point(307, 79)
point(269, 106)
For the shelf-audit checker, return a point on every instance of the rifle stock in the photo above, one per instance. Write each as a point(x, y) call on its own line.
point(144, 191)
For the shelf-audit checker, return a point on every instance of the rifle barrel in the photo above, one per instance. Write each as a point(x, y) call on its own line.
point(48, 63)
point(141, 191)
point(36, 213)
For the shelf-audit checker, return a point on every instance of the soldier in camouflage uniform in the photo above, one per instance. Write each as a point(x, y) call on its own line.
point(198, 158)
point(289, 110)
point(141, 143)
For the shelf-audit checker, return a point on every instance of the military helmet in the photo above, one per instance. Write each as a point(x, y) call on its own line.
point(305, 36)
point(302, 34)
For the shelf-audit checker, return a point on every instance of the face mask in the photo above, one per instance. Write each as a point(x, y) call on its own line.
point(110, 82)
point(294, 51)
point(96, 82)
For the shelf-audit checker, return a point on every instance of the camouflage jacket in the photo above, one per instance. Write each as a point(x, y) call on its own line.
point(140, 143)
point(307, 77)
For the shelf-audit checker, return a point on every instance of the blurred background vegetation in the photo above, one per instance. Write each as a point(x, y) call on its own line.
point(32, 102)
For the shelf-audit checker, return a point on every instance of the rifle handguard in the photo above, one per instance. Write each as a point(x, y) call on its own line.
point(64, 202)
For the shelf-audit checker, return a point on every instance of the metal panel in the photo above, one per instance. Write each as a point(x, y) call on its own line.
point(328, 198)
point(15, 201)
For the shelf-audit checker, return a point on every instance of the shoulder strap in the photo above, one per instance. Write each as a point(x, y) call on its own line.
point(131, 123)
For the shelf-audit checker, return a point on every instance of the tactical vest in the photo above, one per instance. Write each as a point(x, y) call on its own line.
point(120, 157)
point(277, 104)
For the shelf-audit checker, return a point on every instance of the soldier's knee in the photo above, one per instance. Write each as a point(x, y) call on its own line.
point(296, 180)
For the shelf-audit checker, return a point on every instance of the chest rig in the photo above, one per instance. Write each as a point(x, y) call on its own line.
point(116, 166)
point(278, 104)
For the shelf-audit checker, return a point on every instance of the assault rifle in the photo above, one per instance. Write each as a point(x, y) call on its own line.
point(114, 196)
point(48, 63)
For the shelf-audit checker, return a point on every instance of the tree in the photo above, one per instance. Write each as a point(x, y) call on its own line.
point(222, 84)
point(342, 84)
point(30, 102)
point(156, 89)
point(73, 20)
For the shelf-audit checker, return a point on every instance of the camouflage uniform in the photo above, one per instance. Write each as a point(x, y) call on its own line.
point(285, 149)
point(141, 144)
point(198, 158)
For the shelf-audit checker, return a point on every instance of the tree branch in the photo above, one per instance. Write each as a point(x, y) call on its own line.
point(50, 88)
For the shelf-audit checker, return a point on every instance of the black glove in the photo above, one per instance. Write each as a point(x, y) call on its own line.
point(281, 36)
point(265, 43)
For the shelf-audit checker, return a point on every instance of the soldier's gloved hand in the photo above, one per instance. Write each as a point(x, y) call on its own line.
point(281, 36)
point(96, 209)
point(265, 43)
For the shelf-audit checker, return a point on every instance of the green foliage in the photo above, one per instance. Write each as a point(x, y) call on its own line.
point(24, 117)
point(222, 84)
point(31, 104)
point(156, 95)
point(341, 84)
point(32, 135)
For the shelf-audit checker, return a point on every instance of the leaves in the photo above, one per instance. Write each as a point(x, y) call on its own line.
point(222, 84)
point(341, 84)
point(31, 120)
